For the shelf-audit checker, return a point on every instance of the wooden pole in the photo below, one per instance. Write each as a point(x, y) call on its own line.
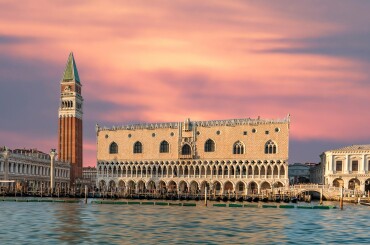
point(85, 194)
point(341, 198)
point(321, 195)
point(205, 196)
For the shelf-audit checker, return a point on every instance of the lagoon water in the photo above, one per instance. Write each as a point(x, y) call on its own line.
point(77, 223)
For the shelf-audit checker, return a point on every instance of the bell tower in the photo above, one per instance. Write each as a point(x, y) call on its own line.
point(70, 119)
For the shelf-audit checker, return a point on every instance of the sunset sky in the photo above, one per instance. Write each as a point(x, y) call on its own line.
point(156, 61)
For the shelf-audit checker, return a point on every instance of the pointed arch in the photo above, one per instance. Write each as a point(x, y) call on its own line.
point(138, 147)
point(238, 147)
point(186, 149)
point(209, 146)
point(270, 147)
point(263, 171)
point(164, 147)
point(113, 148)
point(282, 170)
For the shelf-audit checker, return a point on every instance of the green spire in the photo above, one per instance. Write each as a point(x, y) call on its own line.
point(70, 72)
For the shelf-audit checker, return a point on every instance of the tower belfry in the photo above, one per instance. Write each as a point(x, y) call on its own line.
point(70, 119)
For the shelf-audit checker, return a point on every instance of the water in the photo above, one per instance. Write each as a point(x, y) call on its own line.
point(70, 223)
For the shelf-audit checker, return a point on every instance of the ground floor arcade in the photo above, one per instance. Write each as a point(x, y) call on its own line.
point(354, 182)
point(189, 186)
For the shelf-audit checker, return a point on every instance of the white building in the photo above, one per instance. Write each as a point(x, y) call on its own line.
point(348, 166)
point(31, 169)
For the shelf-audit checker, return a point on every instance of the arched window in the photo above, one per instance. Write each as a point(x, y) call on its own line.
point(138, 147)
point(186, 150)
point(270, 147)
point(113, 148)
point(209, 146)
point(238, 148)
point(164, 147)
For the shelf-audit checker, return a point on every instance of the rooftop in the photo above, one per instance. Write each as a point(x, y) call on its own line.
point(70, 72)
point(354, 148)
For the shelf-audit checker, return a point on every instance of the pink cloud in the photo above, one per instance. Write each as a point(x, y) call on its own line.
point(178, 59)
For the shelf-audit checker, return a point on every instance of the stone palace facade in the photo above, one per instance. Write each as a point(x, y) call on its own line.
point(241, 156)
point(30, 168)
point(348, 166)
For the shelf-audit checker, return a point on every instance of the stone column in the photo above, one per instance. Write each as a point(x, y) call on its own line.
point(52, 169)
point(346, 164)
point(6, 163)
point(362, 167)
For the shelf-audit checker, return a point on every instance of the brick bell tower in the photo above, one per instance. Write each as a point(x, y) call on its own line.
point(70, 119)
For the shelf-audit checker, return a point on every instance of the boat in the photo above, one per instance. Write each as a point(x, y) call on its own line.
point(249, 199)
point(286, 200)
point(365, 203)
point(294, 200)
point(256, 199)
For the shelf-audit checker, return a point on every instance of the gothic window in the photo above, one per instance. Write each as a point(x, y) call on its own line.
point(238, 148)
point(113, 148)
point(186, 150)
point(270, 147)
point(138, 147)
point(164, 147)
point(338, 165)
point(209, 146)
point(354, 165)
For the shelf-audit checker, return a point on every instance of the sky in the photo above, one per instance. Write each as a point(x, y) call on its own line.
point(158, 61)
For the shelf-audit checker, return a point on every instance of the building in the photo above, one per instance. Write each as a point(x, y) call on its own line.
point(348, 166)
point(30, 168)
point(228, 156)
point(70, 119)
point(317, 173)
point(89, 176)
point(299, 173)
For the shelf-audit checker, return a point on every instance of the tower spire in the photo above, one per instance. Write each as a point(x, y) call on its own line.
point(70, 72)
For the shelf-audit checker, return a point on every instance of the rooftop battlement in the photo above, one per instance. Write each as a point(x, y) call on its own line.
point(210, 123)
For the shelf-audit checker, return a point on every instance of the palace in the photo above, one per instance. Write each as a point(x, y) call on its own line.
point(348, 166)
point(240, 156)
point(31, 169)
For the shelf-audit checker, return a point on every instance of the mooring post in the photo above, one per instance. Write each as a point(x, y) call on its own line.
point(85, 194)
point(205, 196)
point(341, 198)
point(321, 195)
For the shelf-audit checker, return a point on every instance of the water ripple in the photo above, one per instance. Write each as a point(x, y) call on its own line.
point(69, 223)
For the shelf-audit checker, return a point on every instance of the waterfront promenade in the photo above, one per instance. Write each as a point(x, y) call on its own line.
point(294, 193)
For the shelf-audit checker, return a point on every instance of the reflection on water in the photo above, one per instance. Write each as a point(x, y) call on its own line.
point(69, 223)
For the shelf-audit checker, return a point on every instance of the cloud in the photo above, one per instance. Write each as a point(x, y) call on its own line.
point(146, 62)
